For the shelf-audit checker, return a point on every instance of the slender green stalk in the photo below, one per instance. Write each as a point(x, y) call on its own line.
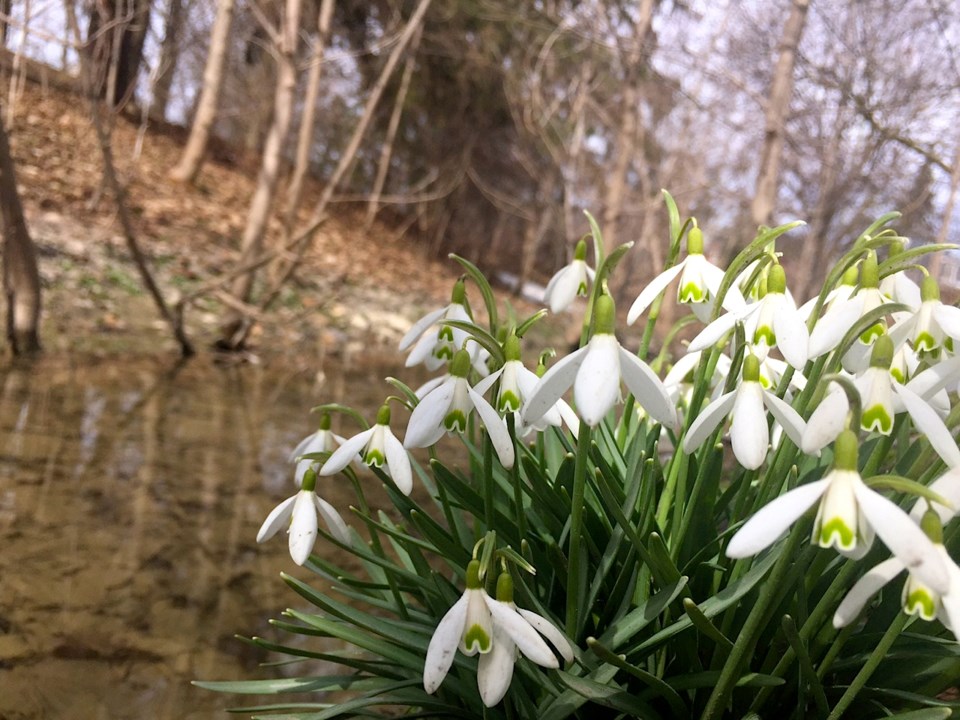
point(873, 662)
point(519, 514)
point(576, 529)
point(488, 488)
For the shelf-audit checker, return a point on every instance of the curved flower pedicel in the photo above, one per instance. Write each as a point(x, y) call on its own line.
point(773, 321)
point(446, 407)
point(323, 440)
point(917, 598)
point(749, 432)
point(300, 514)
point(496, 629)
point(595, 371)
point(849, 515)
point(377, 446)
point(700, 281)
point(569, 282)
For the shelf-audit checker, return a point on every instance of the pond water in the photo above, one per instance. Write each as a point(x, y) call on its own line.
point(131, 492)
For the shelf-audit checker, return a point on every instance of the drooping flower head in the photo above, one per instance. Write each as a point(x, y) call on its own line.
point(569, 282)
point(595, 372)
point(436, 347)
point(377, 447)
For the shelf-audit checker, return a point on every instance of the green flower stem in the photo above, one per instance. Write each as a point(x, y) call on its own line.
point(873, 662)
point(730, 674)
point(576, 528)
point(519, 514)
point(488, 488)
point(880, 450)
point(377, 546)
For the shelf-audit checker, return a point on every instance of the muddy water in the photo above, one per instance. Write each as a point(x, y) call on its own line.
point(130, 497)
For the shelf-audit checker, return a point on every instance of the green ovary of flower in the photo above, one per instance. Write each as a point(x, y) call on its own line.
point(920, 602)
point(836, 532)
point(876, 418)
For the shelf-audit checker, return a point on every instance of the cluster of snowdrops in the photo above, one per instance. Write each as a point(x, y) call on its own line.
point(613, 540)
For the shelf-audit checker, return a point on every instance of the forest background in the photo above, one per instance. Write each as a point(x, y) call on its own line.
point(239, 159)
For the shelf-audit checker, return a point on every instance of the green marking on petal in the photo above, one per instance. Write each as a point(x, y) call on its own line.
point(872, 333)
point(692, 293)
point(475, 639)
point(924, 342)
point(509, 402)
point(877, 418)
point(445, 333)
point(455, 421)
point(948, 344)
point(898, 375)
point(443, 352)
point(920, 602)
point(764, 334)
point(836, 533)
point(582, 289)
point(374, 458)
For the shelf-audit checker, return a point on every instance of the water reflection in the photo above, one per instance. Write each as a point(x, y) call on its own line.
point(130, 497)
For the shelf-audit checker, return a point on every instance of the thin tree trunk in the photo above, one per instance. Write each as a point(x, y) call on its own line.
point(626, 141)
point(778, 108)
point(167, 64)
point(235, 326)
point(936, 260)
point(188, 168)
point(308, 117)
point(21, 278)
point(17, 71)
point(386, 152)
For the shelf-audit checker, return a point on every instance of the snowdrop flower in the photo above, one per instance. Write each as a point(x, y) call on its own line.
point(840, 294)
point(881, 398)
point(595, 371)
point(299, 513)
point(832, 326)
point(376, 446)
point(516, 386)
point(898, 286)
point(445, 409)
point(323, 440)
point(917, 598)
point(438, 346)
point(848, 516)
point(700, 281)
point(927, 327)
point(773, 321)
point(496, 629)
point(749, 433)
point(569, 282)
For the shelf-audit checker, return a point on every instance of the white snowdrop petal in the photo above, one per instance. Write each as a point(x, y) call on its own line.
point(749, 434)
point(277, 518)
point(792, 336)
point(564, 290)
point(712, 333)
point(422, 351)
point(333, 520)
point(833, 325)
point(552, 385)
point(935, 378)
point(486, 383)
point(773, 519)
point(522, 633)
point(646, 387)
point(347, 452)
point(653, 288)
point(495, 668)
point(303, 527)
point(708, 420)
point(903, 537)
point(426, 421)
point(929, 423)
point(864, 589)
point(443, 645)
point(398, 462)
point(419, 327)
point(826, 422)
point(550, 632)
point(946, 486)
point(948, 317)
point(783, 413)
point(597, 385)
point(496, 429)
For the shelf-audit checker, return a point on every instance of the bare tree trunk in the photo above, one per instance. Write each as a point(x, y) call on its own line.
point(21, 278)
point(778, 107)
point(383, 167)
point(18, 73)
point(308, 117)
point(195, 151)
point(5, 7)
point(626, 141)
point(167, 64)
point(936, 260)
point(235, 326)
